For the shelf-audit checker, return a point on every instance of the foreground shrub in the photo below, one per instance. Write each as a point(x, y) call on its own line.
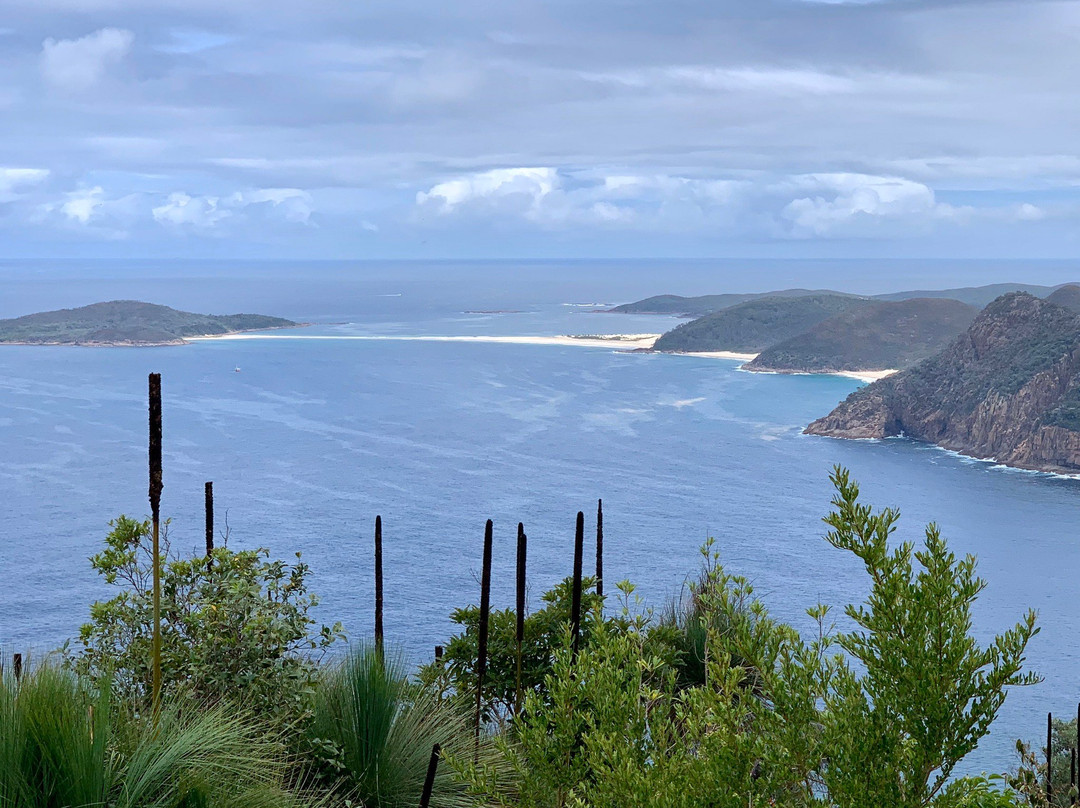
point(371, 733)
point(877, 716)
point(454, 676)
point(236, 627)
point(65, 746)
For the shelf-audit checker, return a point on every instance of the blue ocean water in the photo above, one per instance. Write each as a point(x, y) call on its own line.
point(313, 438)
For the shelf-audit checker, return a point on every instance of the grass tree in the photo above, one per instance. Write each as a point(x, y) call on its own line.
point(65, 745)
point(372, 733)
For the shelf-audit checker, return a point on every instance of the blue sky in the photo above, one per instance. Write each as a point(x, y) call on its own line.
point(742, 128)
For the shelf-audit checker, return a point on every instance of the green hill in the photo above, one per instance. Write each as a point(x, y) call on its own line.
point(878, 336)
point(127, 322)
point(755, 325)
point(1067, 296)
point(978, 296)
point(1007, 388)
point(706, 304)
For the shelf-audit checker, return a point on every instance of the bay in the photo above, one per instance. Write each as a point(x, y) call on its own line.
point(313, 438)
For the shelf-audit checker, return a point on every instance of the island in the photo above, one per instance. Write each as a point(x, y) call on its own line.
point(1006, 389)
point(879, 336)
point(128, 322)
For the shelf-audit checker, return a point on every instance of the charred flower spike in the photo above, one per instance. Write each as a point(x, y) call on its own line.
point(155, 446)
point(378, 585)
point(209, 496)
point(155, 509)
point(600, 547)
point(575, 603)
point(522, 542)
point(485, 612)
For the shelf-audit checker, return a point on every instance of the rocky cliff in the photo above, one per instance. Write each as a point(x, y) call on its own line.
point(1008, 388)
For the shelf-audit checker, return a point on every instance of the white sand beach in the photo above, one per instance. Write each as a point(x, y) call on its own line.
point(615, 341)
point(740, 357)
point(626, 342)
point(865, 375)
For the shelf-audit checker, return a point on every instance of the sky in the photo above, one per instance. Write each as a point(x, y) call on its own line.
point(525, 129)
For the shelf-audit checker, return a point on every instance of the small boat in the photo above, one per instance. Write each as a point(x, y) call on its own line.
point(236, 370)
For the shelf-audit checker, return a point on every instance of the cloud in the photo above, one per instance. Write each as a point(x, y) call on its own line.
point(735, 79)
point(77, 64)
point(516, 186)
point(183, 211)
point(840, 199)
point(553, 198)
point(732, 127)
point(12, 180)
point(82, 204)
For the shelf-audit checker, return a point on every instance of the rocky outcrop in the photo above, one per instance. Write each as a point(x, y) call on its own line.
point(1007, 389)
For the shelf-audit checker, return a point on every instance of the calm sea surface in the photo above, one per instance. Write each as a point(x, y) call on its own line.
point(313, 438)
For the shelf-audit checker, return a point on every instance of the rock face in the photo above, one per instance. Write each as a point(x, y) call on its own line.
point(1008, 388)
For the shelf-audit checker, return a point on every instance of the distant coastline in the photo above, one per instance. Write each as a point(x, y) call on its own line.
point(149, 343)
point(128, 323)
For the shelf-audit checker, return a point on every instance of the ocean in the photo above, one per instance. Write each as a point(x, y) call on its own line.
point(314, 437)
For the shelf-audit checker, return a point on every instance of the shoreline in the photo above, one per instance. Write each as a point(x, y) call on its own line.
point(860, 375)
point(139, 344)
point(629, 342)
point(622, 343)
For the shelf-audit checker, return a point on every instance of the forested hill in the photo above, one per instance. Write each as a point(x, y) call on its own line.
point(977, 296)
point(1007, 388)
point(127, 322)
point(877, 336)
point(706, 304)
point(1067, 296)
point(755, 325)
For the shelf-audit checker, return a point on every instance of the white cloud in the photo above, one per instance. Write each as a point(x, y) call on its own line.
point(82, 204)
point(12, 180)
point(77, 64)
point(181, 210)
point(553, 198)
point(841, 198)
point(295, 205)
point(530, 184)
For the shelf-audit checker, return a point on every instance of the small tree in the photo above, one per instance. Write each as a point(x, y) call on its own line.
point(929, 691)
point(236, 629)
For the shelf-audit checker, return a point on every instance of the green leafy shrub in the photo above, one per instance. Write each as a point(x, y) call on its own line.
point(877, 716)
point(235, 628)
point(454, 676)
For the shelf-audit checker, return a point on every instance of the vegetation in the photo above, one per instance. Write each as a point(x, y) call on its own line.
point(755, 325)
point(707, 304)
point(64, 744)
point(1067, 296)
point(977, 296)
point(880, 715)
point(994, 392)
point(371, 734)
point(879, 336)
point(711, 702)
point(236, 627)
point(127, 321)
